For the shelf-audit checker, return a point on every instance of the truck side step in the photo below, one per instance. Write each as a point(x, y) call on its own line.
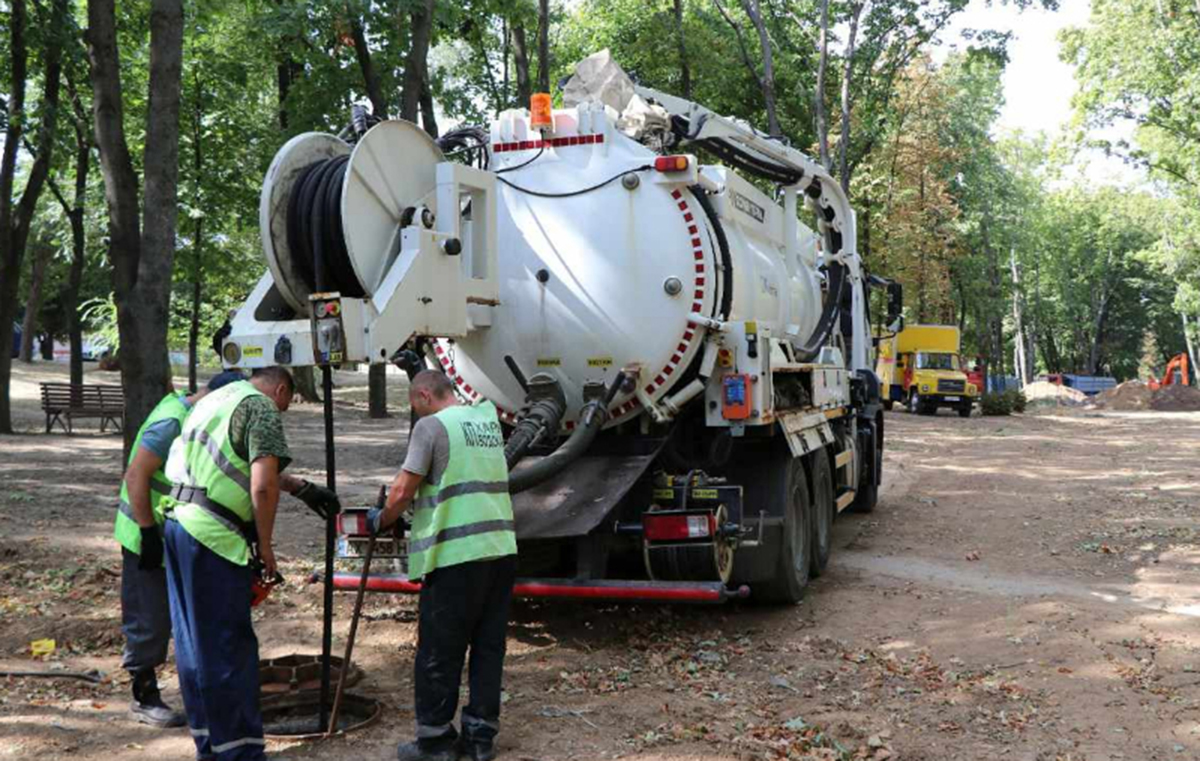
point(844, 499)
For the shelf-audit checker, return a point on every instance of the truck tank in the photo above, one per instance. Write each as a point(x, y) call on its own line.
point(594, 281)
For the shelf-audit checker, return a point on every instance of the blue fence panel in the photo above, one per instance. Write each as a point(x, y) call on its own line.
point(998, 383)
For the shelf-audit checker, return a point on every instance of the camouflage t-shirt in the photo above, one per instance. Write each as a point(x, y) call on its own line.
point(256, 430)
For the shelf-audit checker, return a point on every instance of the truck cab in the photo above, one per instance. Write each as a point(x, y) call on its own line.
point(921, 367)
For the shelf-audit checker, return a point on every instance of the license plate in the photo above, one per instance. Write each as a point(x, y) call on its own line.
point(951, 398)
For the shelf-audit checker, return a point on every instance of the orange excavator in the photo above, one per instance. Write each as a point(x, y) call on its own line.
point(1178, 363)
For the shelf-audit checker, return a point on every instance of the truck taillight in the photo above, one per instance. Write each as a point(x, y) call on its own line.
point(353, 524)
point(673, 527)
point(671, 164)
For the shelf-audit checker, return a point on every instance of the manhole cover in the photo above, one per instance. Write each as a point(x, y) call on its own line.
point(300, 673)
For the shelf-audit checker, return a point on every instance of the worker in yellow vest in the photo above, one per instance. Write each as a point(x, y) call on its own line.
point(226, 473)
point(464, 551)
point(145, 613)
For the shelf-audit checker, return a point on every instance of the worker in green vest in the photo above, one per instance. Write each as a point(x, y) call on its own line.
point(463, 550)
point(226, 470)
point(145, 612)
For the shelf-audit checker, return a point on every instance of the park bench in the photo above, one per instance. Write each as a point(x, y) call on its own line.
point(64, 400)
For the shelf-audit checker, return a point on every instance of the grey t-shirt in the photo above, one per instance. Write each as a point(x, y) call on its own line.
point(428, 450)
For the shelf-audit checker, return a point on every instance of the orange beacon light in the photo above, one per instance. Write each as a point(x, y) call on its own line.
point(539, 111)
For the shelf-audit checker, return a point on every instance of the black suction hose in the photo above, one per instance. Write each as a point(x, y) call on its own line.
point(591, 420)
point(541, 416)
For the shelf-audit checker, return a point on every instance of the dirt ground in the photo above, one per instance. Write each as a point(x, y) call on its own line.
point(1027, 589)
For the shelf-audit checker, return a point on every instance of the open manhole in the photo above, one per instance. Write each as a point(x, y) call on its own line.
point(295, 716)
point(299, 673)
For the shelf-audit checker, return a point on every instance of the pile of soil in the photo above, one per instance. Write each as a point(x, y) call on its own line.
point(1044, 392)
point(1132, 396)
point(1129, 396)
point(1176, 398)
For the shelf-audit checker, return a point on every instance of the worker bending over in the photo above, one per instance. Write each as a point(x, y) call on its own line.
point(463, 548)
point(145, 612)
point(220, 514)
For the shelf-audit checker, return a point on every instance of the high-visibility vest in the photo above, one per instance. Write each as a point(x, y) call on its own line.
point(126, 530)
point(467, 515)
point(203, 458)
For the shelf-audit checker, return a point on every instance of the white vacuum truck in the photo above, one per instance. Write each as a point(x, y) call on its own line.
point(683, 367)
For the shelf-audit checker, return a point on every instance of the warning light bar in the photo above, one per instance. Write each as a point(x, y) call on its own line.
point(674, 527)
point(671, 164)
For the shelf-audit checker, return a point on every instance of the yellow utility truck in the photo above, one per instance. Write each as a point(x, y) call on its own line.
point(920, 367)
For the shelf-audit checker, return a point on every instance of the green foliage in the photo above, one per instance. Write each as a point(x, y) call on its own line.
point(1002, 402)
point(99, 317)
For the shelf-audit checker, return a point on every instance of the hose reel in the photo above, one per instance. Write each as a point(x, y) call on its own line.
point(331, 212)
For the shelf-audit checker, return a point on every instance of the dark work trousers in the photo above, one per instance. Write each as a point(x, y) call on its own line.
point(216, 651)
point(145, 615)
point(462, 606)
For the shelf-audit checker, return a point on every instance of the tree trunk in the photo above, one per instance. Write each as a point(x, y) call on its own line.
point(197, 240)
point(306, 384)
point(33, 305)
point(141, 261)
point(543, 45)
point(416, 62)
point(15, 221)
point(520, 48)
point(685, 72)
point(370, 76)
point(75, 213)
point(197, 292)
point(505, 52)
point(10, 258)
point(1020, 358)
point(1191, 345)
point(754, 11)
point(819, 91)
point(428, 115)
point(847, 72)
point(377, 391)
point(1098, 326)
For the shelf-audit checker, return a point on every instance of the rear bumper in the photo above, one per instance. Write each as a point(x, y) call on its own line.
point(644, 591)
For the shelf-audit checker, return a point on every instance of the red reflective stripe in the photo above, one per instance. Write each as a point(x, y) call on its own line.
point(556, 142)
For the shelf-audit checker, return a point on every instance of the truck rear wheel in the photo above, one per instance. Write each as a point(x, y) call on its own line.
point(795, 552)
point(823, 510)
point(888, 404)
point(965, 410)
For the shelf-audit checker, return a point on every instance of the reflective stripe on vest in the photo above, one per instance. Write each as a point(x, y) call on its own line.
point(467, 515)
point(203, 457)
point(126, 529)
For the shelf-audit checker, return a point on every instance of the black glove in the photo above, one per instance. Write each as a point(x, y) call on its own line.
point(151, 558)
point(324, 502)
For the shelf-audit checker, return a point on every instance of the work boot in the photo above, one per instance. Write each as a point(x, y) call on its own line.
point(476, 750)
point(148, 706)
point(413, 751)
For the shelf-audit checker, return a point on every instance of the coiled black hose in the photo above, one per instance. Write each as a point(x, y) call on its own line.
point(314, 230)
